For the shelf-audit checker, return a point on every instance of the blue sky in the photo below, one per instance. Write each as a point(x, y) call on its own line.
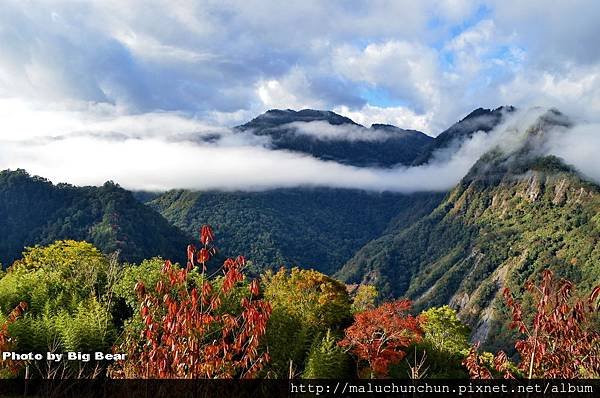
point(66, 66)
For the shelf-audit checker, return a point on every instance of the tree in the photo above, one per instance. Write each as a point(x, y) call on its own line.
point(305, 304)
point(444, 331)
point(326, 359)
point(67, 287)
point(59, 275)
point(444, 346)
point(364, 298)
point(317, 298)
point(185, 332)
point(559, 341)
point(379, 337)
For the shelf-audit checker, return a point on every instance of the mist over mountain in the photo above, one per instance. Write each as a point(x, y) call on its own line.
point(338, 138)
point(480, 120)
point(329, 136)
point(164, 150)
point(334, 221)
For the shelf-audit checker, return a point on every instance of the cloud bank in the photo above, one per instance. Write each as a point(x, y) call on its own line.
point(165, 150)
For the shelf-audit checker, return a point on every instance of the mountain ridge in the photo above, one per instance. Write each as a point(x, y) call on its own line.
point(513, 215)
point(395, 145)
point(35, 211)
point(386, 145)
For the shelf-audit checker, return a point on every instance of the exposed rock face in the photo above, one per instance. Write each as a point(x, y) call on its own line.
point(482, 329)
point(560, 192)
point(533, 188)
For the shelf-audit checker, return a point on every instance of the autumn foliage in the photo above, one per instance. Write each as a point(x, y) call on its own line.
point(558, 342)
point(380, 335)
point(5, 340)
point(187, 332)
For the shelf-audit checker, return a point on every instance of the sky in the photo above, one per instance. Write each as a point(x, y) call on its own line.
point(108, 90)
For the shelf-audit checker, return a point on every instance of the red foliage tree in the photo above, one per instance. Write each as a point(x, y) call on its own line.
point(378, 336)
point(6, 344)
point(186, 331)
point(558, 342)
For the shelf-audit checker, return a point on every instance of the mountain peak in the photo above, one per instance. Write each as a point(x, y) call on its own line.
point(481, 119)
point(390, 127)
point(479, 112)
point(337, 138)
point(523, 152)
point(278, 117)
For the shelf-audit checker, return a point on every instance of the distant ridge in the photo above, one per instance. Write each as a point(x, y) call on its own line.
point(395, 147)
point(35, 211)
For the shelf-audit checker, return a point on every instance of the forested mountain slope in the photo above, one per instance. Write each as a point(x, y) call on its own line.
point(512, 216)
point(34, 211)
point(310, 228)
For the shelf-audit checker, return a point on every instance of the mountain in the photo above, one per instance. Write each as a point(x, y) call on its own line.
point(514, 214)
point(329, 136)
point(480, 119)
point(328, 225)
point(311, 228)
point(34, 211)
point(318, 228)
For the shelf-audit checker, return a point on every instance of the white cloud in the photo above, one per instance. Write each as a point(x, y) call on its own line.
point(20, 120)
point(580, 149)
point(322, 130)
point(472, 39)
point(397, 116)
point(407, 70)
point(576, 92)
point(155, 165)
point(556, 34)
point(152, 49)
point(293, 91)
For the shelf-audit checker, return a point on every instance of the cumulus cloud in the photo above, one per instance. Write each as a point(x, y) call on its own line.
point(408, 70)
point(219, 60)
point(576, 92)
point(395, 115)
point(291, 91)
